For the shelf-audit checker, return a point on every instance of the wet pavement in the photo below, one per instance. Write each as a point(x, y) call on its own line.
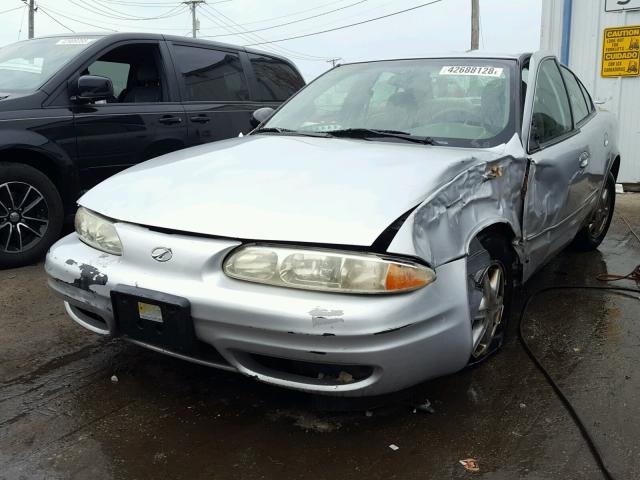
point(62, 416)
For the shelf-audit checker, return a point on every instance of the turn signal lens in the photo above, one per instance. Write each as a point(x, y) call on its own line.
point(326, 270)
point(402, 277)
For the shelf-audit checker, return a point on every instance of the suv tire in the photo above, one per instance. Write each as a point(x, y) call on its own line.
point(31, 214)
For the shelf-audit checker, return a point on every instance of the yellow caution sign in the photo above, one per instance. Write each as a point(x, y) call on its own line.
point(621, 52)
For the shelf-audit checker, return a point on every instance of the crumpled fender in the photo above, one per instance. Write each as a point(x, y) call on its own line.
point(442, 227)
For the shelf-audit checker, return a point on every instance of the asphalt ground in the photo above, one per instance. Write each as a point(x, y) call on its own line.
point(61, 415)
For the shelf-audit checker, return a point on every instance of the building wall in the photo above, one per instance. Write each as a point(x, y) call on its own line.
point(619, 95)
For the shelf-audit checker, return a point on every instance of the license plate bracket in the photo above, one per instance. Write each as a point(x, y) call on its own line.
point(156, 318)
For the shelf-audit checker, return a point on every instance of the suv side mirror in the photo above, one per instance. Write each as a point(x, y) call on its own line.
point(91, 88)
point(261, 115)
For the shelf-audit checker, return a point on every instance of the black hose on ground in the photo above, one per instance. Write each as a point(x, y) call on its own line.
point(556, 388)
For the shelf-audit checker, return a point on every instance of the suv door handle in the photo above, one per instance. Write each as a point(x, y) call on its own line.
point(200, 119)
point(584, 159)
point(170, 120)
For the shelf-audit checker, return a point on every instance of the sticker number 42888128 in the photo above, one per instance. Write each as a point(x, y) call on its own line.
point(467, 70)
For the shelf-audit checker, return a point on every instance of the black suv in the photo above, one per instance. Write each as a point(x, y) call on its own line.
point(74, 110)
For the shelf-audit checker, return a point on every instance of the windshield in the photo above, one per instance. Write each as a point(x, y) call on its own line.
point(25, 66)
point(459, 102)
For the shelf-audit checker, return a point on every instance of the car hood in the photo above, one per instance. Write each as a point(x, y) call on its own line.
point(282, 188)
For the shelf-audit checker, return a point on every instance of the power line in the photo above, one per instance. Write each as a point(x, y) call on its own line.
point(11, 10)
point(55, 20)
point(79, 18)
point(293, 14)
point(98, 10)
point(347, 26)
point(293, 21)
point(63, 15)
point(252, 36)
point(278, 48)
point(22, 21)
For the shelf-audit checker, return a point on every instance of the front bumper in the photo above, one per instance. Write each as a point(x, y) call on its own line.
point(292, 338)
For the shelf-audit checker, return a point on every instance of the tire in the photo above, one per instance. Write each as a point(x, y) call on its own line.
point(491, 257)
point(592, 234)
point(31, 214)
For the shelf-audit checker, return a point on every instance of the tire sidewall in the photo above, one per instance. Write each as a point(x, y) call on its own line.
point(499, 251)
point(16, 172)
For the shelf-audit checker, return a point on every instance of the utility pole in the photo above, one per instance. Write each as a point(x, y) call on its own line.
point(195, 24)
point(32, 9)
point(333, 61)
point(475, 24)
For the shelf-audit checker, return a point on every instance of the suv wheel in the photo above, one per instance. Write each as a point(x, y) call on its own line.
point(31, 214)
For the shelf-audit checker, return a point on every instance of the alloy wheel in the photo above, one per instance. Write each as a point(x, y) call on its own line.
point(490, 312)
point(601, 215)
point(24, 216)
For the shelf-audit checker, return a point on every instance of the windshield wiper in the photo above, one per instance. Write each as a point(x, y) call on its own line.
point(286, 131)
point(370, 132)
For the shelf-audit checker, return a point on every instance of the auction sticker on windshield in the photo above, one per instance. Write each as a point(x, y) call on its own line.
point(75, 41)
point(468, 70)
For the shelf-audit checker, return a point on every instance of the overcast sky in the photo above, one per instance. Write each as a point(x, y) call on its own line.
point(506, 25)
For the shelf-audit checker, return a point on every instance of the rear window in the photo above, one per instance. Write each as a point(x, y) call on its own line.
point(211, 75)
point(276, 79)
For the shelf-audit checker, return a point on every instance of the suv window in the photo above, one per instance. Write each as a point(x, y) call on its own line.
point(135, 71)
point(276, 79)
point(117, 72)
point(578, 105)
point(551, 112)
point(211, 75)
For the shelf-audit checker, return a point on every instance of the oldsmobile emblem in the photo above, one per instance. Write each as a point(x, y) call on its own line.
point(161, 254)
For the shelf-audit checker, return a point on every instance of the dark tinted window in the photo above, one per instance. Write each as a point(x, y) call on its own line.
point(578, 104)
point(551, 112)
point(211, 75)
point(277, 80)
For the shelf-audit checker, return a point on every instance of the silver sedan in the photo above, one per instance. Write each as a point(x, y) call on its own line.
point(363, 238)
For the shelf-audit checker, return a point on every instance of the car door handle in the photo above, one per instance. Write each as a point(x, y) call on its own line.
point(200, 119)
point(584, 159)
point(170, 120)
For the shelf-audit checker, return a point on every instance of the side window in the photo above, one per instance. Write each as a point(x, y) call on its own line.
point(578, 105)
point(551, 112)
point(587, 97)
point(277, 80)
point(117, 72)
point(211, 75)
point(135, 71)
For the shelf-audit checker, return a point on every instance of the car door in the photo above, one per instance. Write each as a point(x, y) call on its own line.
point(215, 91)
point(560, 185)
point(143, 120)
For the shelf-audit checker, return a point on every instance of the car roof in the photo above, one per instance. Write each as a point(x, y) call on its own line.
point(476, 54)
point(159, 36)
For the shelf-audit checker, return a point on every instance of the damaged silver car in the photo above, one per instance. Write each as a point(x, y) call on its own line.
point(365, 237)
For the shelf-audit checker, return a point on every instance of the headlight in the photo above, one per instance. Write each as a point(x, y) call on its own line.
point(326, 270)
point(97, 232)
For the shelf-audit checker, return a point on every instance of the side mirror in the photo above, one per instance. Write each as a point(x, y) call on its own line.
point(260, 115)
point(91, 88)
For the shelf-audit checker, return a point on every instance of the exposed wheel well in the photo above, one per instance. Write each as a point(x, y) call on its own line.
point(505, 231)
point(497, 229)
point(615, 167)
point(38, 161)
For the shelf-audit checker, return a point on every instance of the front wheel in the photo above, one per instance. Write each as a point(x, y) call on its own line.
point(490, 274)
point(31, 214)
point(592, 234)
